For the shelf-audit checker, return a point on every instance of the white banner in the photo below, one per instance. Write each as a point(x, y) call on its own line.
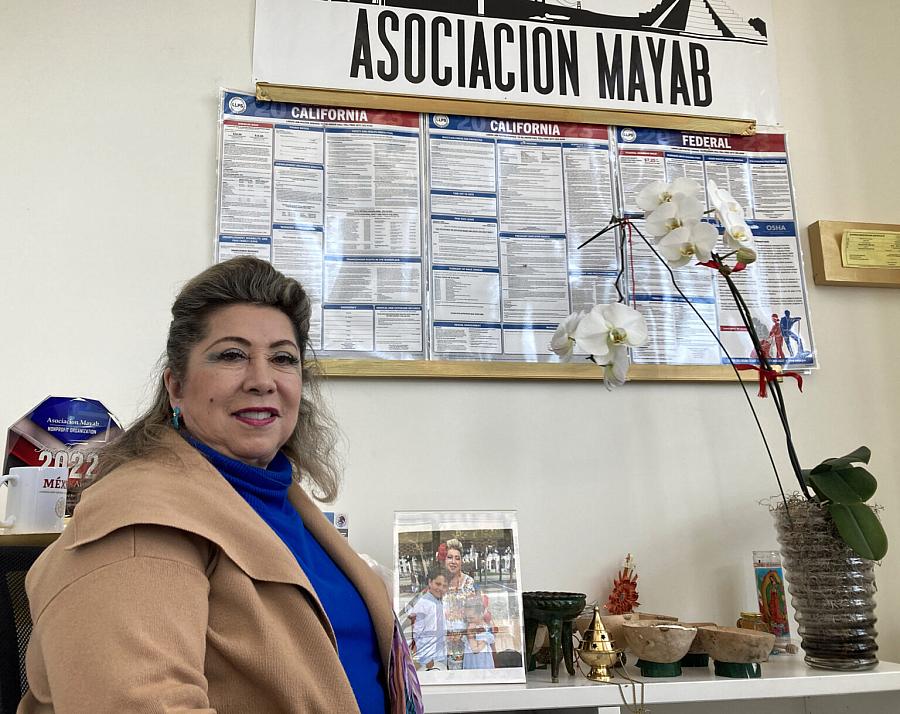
point(698, 57)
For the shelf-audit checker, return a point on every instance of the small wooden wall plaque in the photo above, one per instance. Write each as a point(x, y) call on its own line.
point(825, 239)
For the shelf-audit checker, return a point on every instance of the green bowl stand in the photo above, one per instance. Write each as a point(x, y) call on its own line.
point(659, 669)
point(695, 660)
point(738, 670)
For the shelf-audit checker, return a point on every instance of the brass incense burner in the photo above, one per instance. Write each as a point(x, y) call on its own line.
point(597, 650)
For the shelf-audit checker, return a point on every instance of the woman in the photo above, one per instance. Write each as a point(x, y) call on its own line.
point(460, 588)
point(196, 575)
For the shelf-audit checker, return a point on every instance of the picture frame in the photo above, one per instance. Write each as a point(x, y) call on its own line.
point(458, 595)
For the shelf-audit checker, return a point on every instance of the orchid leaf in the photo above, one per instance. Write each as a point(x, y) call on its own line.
point(860, 528)
point(807, 479)
point(860, 455)
point(852, 484)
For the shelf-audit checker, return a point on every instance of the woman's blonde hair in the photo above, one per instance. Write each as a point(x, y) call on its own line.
point(311, 446)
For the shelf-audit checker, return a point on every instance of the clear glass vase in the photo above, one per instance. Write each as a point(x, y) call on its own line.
point(832, 589)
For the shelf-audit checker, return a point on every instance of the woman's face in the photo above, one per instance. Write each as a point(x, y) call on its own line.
point(454, 561)
point(241, 391)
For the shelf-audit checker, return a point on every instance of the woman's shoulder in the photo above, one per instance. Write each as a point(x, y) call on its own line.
point(175, 487)
point(65, 563)
point(148, 508)
point(161, 500)
point(184, 492)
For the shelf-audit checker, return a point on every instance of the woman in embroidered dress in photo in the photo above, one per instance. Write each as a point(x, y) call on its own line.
point(197, 574)
point(460, 589)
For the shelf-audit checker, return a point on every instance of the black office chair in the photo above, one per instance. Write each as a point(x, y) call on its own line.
point(15, 622)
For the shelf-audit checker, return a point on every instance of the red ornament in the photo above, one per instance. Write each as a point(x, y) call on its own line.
point(624, 595)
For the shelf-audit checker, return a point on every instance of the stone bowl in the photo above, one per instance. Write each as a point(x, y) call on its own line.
point(697, 644)
point(614, 623)
point(655, 616)
point(662, 642)
point(735, 644)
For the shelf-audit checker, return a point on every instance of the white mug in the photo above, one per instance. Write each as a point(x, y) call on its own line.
point(36, 501)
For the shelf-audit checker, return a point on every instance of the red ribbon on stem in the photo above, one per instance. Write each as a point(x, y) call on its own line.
point(738, 267)
point(769, 375)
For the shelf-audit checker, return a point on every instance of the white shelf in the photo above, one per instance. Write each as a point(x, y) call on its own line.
point(783, 677)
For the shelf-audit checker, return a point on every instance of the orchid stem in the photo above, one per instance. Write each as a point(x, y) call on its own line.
point(612, 224)
point(777, 396)
point(726, 353)
point(621, 272)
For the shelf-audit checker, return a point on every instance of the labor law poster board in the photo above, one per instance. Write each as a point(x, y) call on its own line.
point(331, 197)
point(670, 57)
point(451, 238)
point(509, 202)
point(755, 170)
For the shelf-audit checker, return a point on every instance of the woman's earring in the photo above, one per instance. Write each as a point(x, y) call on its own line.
point(176, 418)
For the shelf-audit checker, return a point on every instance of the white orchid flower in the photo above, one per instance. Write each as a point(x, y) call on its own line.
point(563, 341)
point(592, 333)
point(721, 200)
point(687, 186)
point(607, 326)
point(682, 210)
point(616, 369)
point(731, 215)
point(684, 244)
point(663, 220)
point(627, 325)
point(655, 194)
point(737, 233)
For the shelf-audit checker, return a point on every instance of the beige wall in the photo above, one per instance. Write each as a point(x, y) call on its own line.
point(840, 100)
point(107, 171)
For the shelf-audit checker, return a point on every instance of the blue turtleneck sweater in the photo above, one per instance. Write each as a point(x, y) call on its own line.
point(266, 492)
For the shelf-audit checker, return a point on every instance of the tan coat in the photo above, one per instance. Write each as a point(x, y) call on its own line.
point(168, 593)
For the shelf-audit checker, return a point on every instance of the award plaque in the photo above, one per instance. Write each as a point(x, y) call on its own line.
point(64, 432)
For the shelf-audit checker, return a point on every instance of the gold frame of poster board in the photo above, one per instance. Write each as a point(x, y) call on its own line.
point(453, 369)
point(467, 107)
